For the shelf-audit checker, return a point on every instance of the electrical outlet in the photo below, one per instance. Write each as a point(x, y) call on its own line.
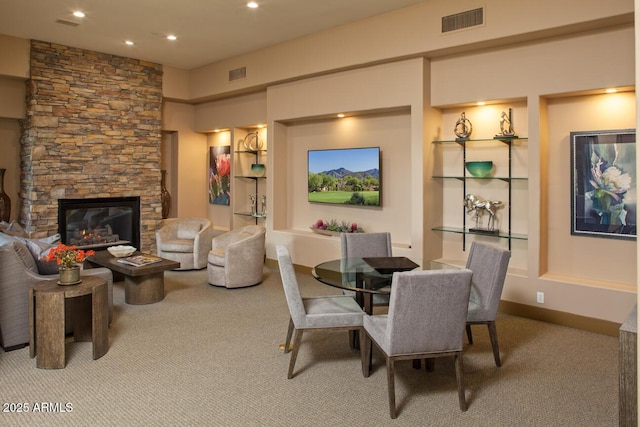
point(540, 297)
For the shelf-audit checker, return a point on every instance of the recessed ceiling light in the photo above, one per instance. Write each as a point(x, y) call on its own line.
point(611, 90)
point(341, 115)
point(480, 103)
point(78, 14)
point(128, 42)
point(171, 37)
point(252, 5)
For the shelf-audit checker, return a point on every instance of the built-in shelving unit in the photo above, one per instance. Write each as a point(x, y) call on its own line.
point(464, 177)
point(246, 183)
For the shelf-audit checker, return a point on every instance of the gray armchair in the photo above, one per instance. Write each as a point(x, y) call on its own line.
point(426, 320)
point(236, 258)
point(187, 241)
point(336, 312)
point(489, 265)
point(18, 272)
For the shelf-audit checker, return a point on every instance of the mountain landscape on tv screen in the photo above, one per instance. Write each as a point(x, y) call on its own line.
point(342, 172)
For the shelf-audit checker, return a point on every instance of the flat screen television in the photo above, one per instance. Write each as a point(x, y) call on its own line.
point(345, 176)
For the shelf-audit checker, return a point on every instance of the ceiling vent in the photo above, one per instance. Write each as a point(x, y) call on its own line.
point(238, 74)
point(69, 23)
point(459, 21)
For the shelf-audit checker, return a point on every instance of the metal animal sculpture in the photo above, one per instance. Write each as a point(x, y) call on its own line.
point(478, 207)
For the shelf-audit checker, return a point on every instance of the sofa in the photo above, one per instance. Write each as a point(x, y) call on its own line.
point(237, 257)
point(185, 240)
point(21, 267)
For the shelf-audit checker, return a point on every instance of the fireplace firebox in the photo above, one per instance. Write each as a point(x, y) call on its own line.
point(98, 223)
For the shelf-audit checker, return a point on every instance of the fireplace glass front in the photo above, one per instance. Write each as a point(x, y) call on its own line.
point(99, 223)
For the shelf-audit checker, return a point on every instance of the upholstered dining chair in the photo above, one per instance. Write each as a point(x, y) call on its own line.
point(426, 320)
point(328, 313)
point(360, 245)
point(489, 266)
point(365, 244)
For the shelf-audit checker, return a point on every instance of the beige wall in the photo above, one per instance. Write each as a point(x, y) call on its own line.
point(12, 96)
point(555, 66)
point(390, 132)
point(10, 160)
point(585, 259)
point(241, 111)
point(15, 57)
point(14, 70)
point(190, 156)
point(297, 113)
point(410, 31)
point(575, 275)
point(537, 74)
point(175, 83)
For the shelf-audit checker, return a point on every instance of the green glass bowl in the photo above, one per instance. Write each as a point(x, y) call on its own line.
point(479, 169)
point(257, 170)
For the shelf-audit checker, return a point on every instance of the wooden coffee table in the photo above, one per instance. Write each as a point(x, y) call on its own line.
point(142, 285)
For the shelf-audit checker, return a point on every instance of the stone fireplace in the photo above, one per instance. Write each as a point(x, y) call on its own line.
point(92, 131)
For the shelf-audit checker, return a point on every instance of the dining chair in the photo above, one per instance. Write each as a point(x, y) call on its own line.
point(327, 313)
point(426, 320)
point(489, 266)
point(365, 244)
point(360, 245)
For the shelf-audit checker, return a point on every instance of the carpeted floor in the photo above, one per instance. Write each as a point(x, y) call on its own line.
point(209, 356)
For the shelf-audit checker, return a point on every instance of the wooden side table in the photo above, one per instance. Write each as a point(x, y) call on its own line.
point(88, 314)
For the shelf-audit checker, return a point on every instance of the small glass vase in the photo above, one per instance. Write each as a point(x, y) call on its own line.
point(69, 276)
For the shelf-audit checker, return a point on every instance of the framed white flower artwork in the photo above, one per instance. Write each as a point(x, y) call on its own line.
point(603, 187)
point(220, 175)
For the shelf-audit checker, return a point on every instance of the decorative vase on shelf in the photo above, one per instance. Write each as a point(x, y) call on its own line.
point(165, 197)
point(69, 276)
point(5, 201)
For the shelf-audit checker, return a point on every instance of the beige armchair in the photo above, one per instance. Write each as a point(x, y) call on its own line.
point(187, 241)
point(236, 258)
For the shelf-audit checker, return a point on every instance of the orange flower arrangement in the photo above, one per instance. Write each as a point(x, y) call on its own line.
point(68, 256)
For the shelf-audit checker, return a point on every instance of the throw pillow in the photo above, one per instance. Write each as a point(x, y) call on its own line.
point(39, 249)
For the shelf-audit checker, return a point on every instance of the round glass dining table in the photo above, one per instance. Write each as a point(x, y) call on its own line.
point(364, 276)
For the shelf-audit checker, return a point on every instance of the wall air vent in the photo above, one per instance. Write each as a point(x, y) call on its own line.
point(458, 21)
point(69, 23)
point(238, 73)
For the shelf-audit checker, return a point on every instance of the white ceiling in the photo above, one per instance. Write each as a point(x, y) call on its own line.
point(207, 30)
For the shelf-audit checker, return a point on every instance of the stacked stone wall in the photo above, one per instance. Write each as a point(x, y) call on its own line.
point(93, 129)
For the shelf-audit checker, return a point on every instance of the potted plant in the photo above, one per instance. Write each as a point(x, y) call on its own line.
point(68, 259)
